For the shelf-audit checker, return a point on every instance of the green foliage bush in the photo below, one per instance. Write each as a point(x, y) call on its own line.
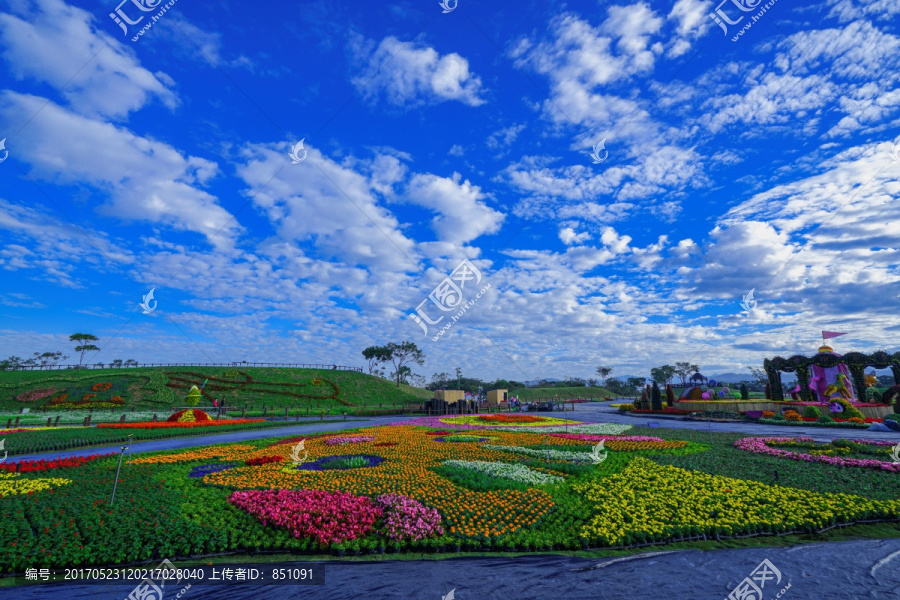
point(825, 419)
point(812, 412)
point(893, 417)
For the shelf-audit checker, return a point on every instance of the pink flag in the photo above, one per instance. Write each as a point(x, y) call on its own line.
point(831, 334)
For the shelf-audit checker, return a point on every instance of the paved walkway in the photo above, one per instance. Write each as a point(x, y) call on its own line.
point(597, 411)
point(858, 570)
point(593, 412)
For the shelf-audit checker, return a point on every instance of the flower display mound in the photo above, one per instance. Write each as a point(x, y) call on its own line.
point(344, 462)
point(406, 519)
point(327, 517)
point(503, 470)
point(29, 466)
point(626, 443)
point(189, 415)
point(839, 453)
point(648, 502)
point(10, 487)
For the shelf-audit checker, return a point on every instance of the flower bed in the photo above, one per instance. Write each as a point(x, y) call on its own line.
point(507, 419)
point(759, 445)
point(423, 496)
point(324, 516)
point(504, 470)
point(553, 454)
point(341, 463)
point(35, 394)
point(204, 470)
point(340, 440)
point(189, 415)
point(628, 443)
point(28, 466)
point(262, 460)
point(10, 487)
point(813, 423)
point(471, 422)
point(177, 424)
point(666, 411)
point(649, 502)
point(406, 519)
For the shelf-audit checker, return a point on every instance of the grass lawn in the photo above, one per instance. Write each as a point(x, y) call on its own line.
point(444, 485)
point(160, 389)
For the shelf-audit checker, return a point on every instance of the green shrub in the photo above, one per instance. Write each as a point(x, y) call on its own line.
point(812, 412)
point(892, 417)
point(626, 407)
point(825, 419)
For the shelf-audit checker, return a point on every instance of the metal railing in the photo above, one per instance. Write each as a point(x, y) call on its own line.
point(142, 365)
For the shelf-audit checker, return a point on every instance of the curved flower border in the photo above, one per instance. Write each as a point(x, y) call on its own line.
point(761, 446)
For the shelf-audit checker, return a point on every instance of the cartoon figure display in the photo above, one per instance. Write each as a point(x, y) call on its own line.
point(829, 382)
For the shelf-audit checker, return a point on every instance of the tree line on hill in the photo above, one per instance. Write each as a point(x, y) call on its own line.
point(45, 359)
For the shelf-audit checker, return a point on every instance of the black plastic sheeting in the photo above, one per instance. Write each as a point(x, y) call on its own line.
point(858, 570)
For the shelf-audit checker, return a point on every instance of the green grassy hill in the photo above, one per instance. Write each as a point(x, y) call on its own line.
point(564, 393)
point(157, 389)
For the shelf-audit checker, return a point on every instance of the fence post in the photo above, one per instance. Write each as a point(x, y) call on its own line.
point(55, 423)
point(9, 424)
point(49, 420)
point(17, 421)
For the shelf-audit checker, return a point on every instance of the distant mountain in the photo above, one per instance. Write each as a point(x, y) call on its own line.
point(738, 377)
point(732, 377)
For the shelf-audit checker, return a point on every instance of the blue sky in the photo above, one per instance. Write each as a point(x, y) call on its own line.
point(765, 161)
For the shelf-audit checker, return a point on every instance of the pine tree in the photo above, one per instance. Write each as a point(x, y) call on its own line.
point(670, 396)
point(655, 396)
point(745, 393)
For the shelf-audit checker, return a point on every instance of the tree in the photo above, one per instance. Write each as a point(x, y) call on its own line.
point(402, 374)
point(683, 370)
point(402, 353)
point(759, 374)
point(745, 394)
point(655, 396)
point(131, 363)
point(662, 374)
point(48, 358)
point(635, 383)
point(604, 372)
point(117, 362)
point(592, 382)
point(83, 347)
point(376, 355)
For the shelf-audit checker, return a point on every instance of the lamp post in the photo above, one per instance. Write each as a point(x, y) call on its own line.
point(118, 468)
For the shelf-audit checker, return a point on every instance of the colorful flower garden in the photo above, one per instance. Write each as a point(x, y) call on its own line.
point(454, 483)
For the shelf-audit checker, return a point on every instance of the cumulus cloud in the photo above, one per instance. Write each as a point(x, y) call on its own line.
point(142, 179)
point(55, 43)
point(408, 74)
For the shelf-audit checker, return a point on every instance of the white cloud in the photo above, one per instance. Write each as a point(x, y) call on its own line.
point(53, 42)
point(410, 75)
point(462, 214)
point(569, 237)
point(143, 179)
